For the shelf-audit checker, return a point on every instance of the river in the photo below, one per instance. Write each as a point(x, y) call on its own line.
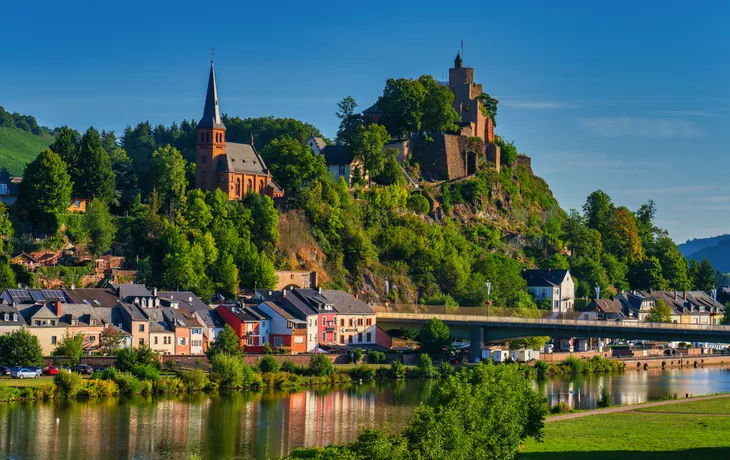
point(271, 424)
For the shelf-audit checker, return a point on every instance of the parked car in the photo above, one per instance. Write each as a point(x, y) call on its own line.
point(38, 370)
point(25, 373)
point(84, 369)
point(51, 370)
point(4, 370)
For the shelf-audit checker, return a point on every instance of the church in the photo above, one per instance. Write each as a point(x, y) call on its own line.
point(236, 169)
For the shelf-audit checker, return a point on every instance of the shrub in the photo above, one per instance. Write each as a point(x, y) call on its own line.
point(27, 393)
point(228, 371)
point(356, 355)
point(167, 385)
point(321, 366)
point(127, 358)
point(47, 391)
point(363, 372)
point(96, 388)
point(68, 383)
point(146, 372)
point(425, 368)
point(193, 380)
point(561, 408)
point(604, 398)
point(376, 357)
point(446, 369)
point(267, 348)
point(269, 364)
point(128, 384)
point(288, 366)
point(170, 364)
point(382, 373)
point(542, 368)
point(8, 394)
point(397, 370)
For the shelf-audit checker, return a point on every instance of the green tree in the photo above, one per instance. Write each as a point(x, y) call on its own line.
point(350, 121)
point(434, 336)
point(439, 114)
point(96, 175)
point(226, 342)
point(726, 314)
point(20, 348)
point(392, 174)
point(71, 347)
point(488, 106)
point(100, 226)
point(597, 210)
point(66, 146)
point(704, 275)
point(621, 238)
point(647, 275)
point(227, 276)
point(674, 266)
point(7, 275)
point(6, 229)
point(401, 106)
point(292, 163)
point(168, 173)
point(368, 146)
point(659, 313)
point(126, 177)
point(45, 191)
point(111, 340)
point(321, 366)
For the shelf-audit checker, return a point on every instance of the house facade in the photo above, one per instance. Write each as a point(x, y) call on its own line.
point(10, 319)
point(550, 285)
point(250, 325)
point(286, 331)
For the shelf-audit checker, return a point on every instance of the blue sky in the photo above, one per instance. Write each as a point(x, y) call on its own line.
point(628, 97)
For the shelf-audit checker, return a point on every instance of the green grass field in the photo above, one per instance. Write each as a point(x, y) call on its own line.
point(18, 148)
point(7, 381)
point(644, 433)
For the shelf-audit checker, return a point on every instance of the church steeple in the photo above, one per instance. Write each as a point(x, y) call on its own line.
point(458, 62)
point(211, 113)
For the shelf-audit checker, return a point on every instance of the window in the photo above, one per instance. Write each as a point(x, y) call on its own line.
point(202, 137)
point(278, 341)
point(342, 339)
point(181, 341)
point(249, 185)
point(368, 337)
point(359, 322)
point(289, 325)
point(53, 340)
point(141, 341)
point(77, 204)
point(92, 338)
point(7, 316)
point(299, 339)
point(249, 341)
point(351, 323)
point(359, 337)
point(15, 317)
point(324, 337)
point(369, 321)
point(349, 339)
point(261, 186)
point(249, 327)
point(342, 323)
point(342, 170)
point(155, 340)
point(141, 328)
point(167, 340)
point(3, 189)
point(238, 186)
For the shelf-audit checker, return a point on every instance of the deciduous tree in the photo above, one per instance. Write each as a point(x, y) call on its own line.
point(45, 191)
point(226, 342)
point(659, 313)
point(96, 176)
point(434, 336)
point(71, 348)
point(20, 348)
point(100, 226)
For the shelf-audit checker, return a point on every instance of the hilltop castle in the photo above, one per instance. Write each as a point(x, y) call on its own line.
point(236, 169)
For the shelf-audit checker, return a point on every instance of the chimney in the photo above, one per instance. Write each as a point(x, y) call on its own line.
point(154, 292)
point(675, 294)
point(283, 293)
point(320, 291)
point(684, 295)
point(58, 308)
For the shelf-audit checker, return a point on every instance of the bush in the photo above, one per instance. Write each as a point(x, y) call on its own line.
point(561, 408)
point(269, 364)
point(321, 366)
point(127, 383)
point(68, 383)
point(376, 357)
point(127, 358)
point(231, 373)
point(397, 370)
point(193, 380)
point(97, 388)
point(146, 372)
point(27, 393)
point(356, 355)
point(288, 366)
point(604, 398)
point(363, 372)
point(9, 394)
point(45, 392)
point(425, 368)
point(267, 348)
point(170, 364)
point(446, 369)
point(167, 385)
point(542, 368)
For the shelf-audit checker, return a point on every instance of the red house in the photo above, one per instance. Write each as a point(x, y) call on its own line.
point(250, 324)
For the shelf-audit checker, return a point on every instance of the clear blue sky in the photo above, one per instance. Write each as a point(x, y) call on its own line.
point(628, 97)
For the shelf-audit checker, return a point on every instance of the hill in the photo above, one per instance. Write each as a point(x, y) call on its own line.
point(718, 254)
point(691, 247)
point(18, 148)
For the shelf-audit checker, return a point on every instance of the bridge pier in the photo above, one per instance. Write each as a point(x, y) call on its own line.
point(476, 344)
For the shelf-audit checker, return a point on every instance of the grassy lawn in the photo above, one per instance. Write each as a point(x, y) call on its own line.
point(7, 381)
point(634, 434)
point(346, 367)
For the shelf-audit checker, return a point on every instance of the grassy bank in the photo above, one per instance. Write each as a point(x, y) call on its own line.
point(696, 429)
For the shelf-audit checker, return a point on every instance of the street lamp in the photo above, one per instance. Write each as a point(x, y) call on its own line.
point(489, 291)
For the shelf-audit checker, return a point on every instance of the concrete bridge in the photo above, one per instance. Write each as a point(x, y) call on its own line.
point(482, 329)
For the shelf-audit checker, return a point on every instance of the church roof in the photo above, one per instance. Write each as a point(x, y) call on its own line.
point(241, 158)
point(211, 113)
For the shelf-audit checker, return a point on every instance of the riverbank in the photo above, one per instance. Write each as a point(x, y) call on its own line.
point(690, 428)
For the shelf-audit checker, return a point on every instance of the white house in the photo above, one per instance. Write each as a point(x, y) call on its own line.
point(556, 286)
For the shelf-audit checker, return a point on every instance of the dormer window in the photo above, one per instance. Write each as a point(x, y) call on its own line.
point(15, 317)
point(7, 317)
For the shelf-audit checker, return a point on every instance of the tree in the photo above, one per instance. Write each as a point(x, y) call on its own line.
point(227, 276)
point(168, 173)
point(350, 121)
point(129, 358)
point(111, 340)
point(659, 313)
point(100, 226)
point(126, 176)
point(6, 229)
point(96, 176)
point(439, 114)
point(392, 174)
point(621, 238)
point(401, 106)
point(674, 266)
point(45, 191)
point(488, 105)
point(20, 348)
point(226, 342)
point(292, 163)
point(726, 314)
point(647, 275)
point(66, 146)
point(71, 347)
point(7, 275)
point(704, 275)
point(597, 210)
point(368, 146)
point(434, 336)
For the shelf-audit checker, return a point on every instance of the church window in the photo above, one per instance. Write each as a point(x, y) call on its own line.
point(238, 187)
point(249, 186)
point(261, 186)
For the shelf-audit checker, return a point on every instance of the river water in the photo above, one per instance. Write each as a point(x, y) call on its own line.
point(271, 424)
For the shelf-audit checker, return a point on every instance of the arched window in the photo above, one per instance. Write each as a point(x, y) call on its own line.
point(238, 186)
point(249, 186)
point(261, 186)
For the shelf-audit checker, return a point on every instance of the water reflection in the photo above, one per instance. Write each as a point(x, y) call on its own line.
point(271, 424)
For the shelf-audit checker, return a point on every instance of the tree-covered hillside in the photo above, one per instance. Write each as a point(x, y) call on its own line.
point(21, 139)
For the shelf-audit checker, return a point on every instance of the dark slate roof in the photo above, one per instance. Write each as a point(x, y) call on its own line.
point(246, 314)
point(211, 318)
point(346, 303)
point(297, 307)
point(132, 290)
point(211, 112)
point(132, 311)
point(337, 155)
point(157, 320)
point(241, 158)
point(549, 277)
point(607, 305)
point(93, 296)
point(279, 309)
point(10, 310)
point(185, 298)
point(34, 295)
point(373, 109)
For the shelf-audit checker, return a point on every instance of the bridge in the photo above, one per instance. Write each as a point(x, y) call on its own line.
point(483, 329)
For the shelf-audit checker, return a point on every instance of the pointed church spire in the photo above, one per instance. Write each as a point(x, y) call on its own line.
point(458, 62)
point(211, 114)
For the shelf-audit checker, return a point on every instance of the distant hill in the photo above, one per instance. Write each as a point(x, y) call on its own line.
point(718, 254)
point(18, 148)
point(692, 246)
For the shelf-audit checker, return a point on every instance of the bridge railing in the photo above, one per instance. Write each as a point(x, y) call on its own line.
point(551, 322)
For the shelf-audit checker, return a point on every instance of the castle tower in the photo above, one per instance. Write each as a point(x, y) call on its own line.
point(211, 138)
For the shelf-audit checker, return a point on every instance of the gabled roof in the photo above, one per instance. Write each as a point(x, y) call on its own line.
point(279, 310)
point(549, 277)
point(346, 303)
point(241, 158)
point(132, 290)
point(608, 305)
point(157, 320)
point(338, 155)
point(185, 298)
point(211, 318)
point(132, 311)
point(246, 314)
point(34, 295)
point(211, 113)
point(93, 296)
point(319, 142)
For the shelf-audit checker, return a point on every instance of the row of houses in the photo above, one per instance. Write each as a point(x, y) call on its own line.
point(687, 307)
point(180, 323)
